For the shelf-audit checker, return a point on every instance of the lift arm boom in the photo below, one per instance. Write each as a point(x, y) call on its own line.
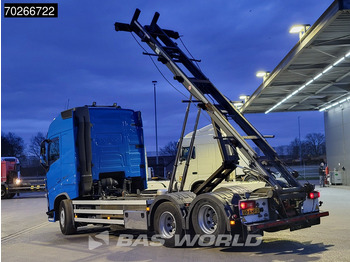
point(219, 108)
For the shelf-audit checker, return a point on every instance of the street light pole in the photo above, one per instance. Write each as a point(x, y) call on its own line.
point(300, 142)
point(155, 118)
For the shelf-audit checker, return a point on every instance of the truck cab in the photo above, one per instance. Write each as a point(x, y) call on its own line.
point(206, 158)
point(92, 152)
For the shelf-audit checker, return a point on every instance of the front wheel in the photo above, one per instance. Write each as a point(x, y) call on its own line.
point(168, 224)
point(66, 217)
point(3, 192)
point(250, 178)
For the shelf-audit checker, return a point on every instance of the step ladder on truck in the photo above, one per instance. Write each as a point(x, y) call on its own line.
point(233, 210)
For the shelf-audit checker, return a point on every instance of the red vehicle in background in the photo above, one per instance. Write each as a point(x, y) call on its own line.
point(10, 176)
point(11, 181)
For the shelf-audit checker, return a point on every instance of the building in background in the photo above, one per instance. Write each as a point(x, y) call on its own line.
point(337, 129)
point(315, 76)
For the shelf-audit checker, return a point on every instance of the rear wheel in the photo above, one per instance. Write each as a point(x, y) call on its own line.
point(208, 218)
point(168, 223)
point(66, 217)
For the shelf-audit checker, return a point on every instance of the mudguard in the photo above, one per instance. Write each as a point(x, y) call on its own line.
point(179, 199)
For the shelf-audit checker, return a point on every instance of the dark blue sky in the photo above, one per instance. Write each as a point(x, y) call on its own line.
point(78, 57)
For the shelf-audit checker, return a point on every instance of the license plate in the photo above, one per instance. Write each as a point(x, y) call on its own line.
point(251, 211)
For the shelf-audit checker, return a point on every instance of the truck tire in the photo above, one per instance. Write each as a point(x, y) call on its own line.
point(208, 219)
point(3, 192)
point(250, 178)
point(168, 223)
point(66, 217)
point(195, 185)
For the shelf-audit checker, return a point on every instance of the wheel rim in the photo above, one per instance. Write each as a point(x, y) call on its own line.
point(3, 192)
point(167, 225)
point(62, 217)
point(207, 219)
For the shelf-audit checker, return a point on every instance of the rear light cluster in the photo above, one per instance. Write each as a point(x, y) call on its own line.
point(314, 195)
point(247, 204)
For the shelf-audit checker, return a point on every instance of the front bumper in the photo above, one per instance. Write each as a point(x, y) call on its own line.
point(26, 188)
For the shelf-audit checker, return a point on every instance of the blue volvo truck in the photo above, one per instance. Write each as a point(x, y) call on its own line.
point(91, 152)
point(96, 167)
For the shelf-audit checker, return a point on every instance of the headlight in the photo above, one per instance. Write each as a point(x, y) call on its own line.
point(18, 181)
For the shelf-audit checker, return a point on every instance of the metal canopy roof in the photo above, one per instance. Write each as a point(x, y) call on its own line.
point(315, 73)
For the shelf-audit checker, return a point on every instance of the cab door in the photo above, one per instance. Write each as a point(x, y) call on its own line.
point(53, 175)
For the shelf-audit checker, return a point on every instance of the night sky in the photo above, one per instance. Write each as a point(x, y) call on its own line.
point(50, 64)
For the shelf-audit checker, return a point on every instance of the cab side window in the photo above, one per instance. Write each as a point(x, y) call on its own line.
point(185, 151)
point(54, 150)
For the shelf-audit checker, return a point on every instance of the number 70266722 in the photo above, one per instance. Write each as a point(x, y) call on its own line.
point(31, 10)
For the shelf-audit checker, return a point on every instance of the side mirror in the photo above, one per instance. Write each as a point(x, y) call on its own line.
point(43, 154)
point(182, 155)
point(295, 174)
